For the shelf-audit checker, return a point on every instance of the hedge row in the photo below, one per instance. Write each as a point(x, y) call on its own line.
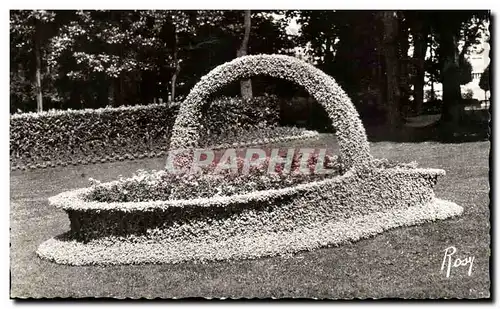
point(226, 114)
point(108, 134)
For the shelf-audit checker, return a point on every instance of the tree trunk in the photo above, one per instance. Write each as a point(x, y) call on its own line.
point(245, 85)
point(121, 90)
point(173, 83)
point(176, 72)
point(379, 76)
point(38, 70)
point(390, 23)
point(404, 65)
point(433, 92)
point(431, 50)
point(451, 80)
point(111, 93)
point(328, 59)
point(420, 48)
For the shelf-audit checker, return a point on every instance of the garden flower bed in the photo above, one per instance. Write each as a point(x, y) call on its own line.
point(162, 218)
point(163, 185)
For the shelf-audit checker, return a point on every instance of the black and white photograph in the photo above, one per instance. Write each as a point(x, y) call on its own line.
point(318, 154)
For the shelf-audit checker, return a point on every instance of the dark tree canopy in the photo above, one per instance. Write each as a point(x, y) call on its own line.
point(90, 59)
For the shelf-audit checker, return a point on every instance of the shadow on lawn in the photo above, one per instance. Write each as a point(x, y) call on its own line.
point(469, 130)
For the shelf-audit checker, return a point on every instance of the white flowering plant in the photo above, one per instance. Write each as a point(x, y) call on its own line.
point(163, 217)
point(210, 182)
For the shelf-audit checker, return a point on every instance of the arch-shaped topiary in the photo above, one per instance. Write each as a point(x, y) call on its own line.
point(354, 147)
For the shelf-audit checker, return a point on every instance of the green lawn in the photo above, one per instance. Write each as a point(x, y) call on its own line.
point(403, 262)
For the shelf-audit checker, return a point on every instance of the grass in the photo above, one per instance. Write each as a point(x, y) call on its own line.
point(403, 262)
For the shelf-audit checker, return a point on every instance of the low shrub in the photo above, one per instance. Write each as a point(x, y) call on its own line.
point(305, 112)
point(257, 133)
point(225, 114)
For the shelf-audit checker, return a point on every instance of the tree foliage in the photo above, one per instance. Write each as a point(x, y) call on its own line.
point(111, 57)
point(89, 59)
point(353, 46)
point(30, 32)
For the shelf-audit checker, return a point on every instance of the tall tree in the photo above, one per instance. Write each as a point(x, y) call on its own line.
point(404, 74)
point(182, 24)
point(38, 67)
point(246, 85)
point(393, 95)
point(432, 64)
point(30, 32)
point(321, 30)
point(420, 33)
point(349, 46)
point(449, 28)
point(108, 54)
point(448, 42)
point(96, 58)
point(177, 65)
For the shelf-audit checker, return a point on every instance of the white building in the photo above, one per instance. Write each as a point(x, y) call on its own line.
point(479, 63)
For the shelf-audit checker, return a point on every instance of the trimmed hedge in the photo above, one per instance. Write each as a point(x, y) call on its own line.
point(47, 139)
point(75, 136)
point(226, 114)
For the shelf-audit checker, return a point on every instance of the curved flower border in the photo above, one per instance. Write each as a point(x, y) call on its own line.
point(313, 214)
point(73, 200)
point(137, 250)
